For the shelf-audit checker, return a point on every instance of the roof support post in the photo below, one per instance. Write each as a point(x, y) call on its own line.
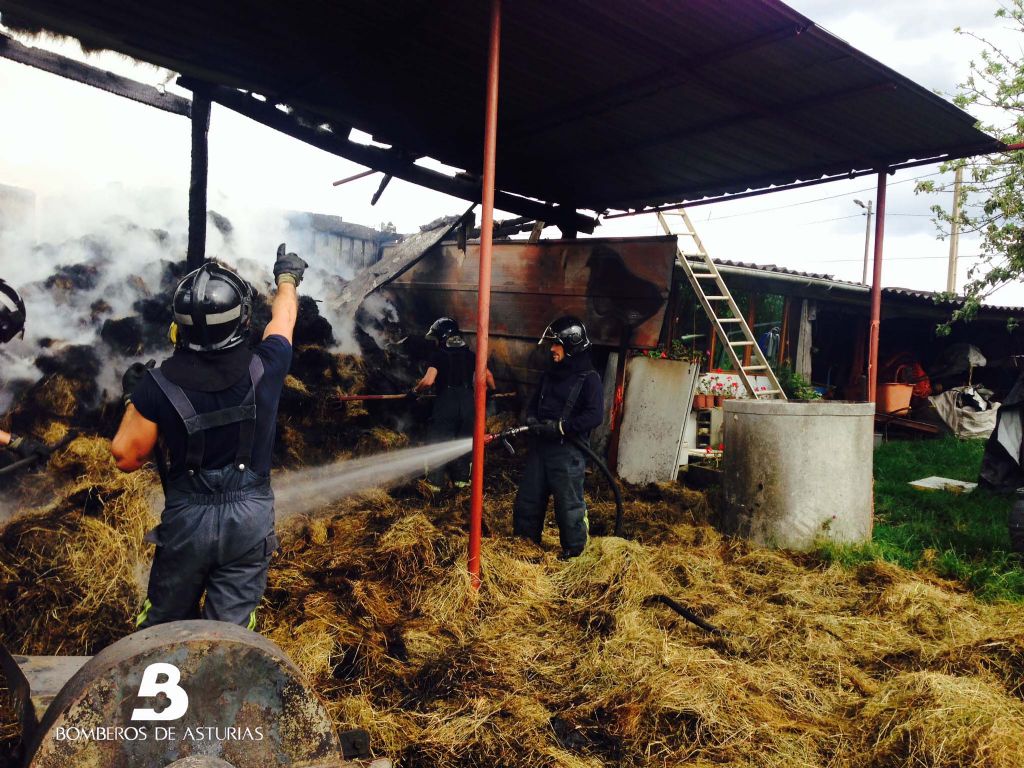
point(196, 253)
point(876, 288)
point(483, 313)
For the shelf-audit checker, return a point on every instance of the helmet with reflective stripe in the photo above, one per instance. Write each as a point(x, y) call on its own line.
point(12, 313)
point(212, 309)
point(568, 331)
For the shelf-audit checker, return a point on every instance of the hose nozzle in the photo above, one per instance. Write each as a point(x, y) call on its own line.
point(504, 436)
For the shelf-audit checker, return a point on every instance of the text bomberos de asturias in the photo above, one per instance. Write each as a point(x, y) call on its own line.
point(159, 733)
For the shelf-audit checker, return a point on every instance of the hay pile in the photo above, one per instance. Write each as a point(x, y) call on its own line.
point(70, 573)
point(564, 664)
point(567, 664)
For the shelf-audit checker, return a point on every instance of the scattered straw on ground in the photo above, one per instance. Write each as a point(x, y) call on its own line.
point(565, 664)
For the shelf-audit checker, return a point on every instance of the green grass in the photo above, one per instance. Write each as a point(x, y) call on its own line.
point(958, 536)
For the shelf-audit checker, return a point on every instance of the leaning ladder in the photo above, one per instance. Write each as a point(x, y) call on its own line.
point(701, 270)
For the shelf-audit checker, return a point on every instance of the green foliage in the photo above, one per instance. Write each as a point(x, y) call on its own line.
point(678, 350)
point(795, 385)
point(962, 537)
point(992, 192)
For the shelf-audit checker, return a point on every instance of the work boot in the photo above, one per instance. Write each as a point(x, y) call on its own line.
point(461, 484)
point(569, 554)
point(1017, 524)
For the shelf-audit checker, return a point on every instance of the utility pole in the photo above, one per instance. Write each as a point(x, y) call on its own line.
point(954, 232)
point(867, 239)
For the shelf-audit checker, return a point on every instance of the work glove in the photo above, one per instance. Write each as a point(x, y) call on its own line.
point(288, 268)
point(412, 394)
point(131, 378)
point(548, 430)
point(28, 447)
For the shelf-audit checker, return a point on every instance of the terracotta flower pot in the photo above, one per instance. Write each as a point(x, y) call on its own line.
point(700, 401)
point(718, 401)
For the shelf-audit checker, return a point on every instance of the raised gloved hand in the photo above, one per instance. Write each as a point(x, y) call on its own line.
point(548, 429)
point(28, 447)
point(131, 378)
point(288, 268)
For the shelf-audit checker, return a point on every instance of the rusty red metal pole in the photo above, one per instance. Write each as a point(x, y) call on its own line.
point(876, 289)
point(483, 307)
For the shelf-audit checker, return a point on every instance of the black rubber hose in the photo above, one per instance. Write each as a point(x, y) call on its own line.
point(63, 443)
point(607, 473)
point(686, 613)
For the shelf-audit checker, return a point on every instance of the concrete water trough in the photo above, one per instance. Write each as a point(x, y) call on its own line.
point(795, 474)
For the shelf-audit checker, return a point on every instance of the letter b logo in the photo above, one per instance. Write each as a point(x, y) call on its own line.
point(151, 687)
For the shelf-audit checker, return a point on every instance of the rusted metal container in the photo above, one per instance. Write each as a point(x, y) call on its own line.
point(618, 286)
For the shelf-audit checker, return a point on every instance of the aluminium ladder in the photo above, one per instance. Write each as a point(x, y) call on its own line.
point(700, 270)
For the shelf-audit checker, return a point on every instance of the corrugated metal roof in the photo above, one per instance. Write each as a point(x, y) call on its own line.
point(929, 297)
point(604, 104)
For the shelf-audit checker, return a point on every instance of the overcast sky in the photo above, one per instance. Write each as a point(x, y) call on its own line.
point(59, 137)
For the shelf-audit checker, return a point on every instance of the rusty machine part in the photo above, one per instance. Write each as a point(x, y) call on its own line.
point(238, 702)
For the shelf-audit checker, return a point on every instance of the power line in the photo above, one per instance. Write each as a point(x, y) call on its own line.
point(815, 200)
point(858, 215)
point(894, 258)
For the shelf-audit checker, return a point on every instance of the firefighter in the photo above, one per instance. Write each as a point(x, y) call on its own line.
point(567, 404)
point(12, 313)
point(451, 374)
point(213, 404)
point(12, 323)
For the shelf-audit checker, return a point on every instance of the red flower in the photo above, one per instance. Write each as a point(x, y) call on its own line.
point(721, 446)
point(663, 355)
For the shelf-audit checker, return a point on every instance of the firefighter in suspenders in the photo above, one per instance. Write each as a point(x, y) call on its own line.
point(213, 405)
point(568, 403)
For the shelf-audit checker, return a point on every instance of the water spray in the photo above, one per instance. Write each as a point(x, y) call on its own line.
point(307, 490)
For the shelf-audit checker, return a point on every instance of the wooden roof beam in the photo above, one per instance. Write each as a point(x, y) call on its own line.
point(86, 74)
point(307, 128)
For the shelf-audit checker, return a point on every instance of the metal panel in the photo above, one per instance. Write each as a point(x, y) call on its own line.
point(613, 284)
point(659, 394)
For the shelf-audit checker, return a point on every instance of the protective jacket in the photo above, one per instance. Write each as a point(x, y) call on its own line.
point(453, 413)
point(571, 392)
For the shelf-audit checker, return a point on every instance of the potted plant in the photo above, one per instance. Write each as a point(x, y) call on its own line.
point(718, 391)
point(700, 400)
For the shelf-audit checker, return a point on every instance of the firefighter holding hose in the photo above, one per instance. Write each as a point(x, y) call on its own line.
point(12, 323)
point(450, 373)
point(213, 404)
point(567, 404)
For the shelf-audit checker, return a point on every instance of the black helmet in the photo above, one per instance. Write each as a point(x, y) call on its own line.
point(442, 328)
point(212, 309)
point(570, 332)
point(12, 313)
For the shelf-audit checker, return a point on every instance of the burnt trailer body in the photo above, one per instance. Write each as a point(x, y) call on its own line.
point(620, 287)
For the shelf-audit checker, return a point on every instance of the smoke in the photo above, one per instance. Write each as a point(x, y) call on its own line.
point(96, 256)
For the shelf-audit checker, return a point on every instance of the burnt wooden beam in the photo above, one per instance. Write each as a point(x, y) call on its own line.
point(196, 253)
point(86, 74)
point(390, 161)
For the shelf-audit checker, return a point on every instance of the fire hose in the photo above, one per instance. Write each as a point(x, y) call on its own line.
point(403, 396)
point(21, 463)
point(504, 437)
